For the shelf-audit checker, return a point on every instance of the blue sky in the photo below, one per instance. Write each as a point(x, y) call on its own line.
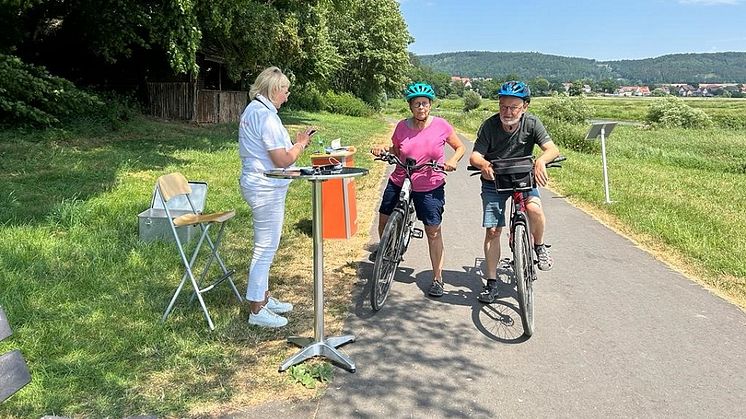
point(602, 29)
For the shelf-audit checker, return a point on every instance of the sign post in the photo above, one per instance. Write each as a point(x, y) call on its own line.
point(603, 130)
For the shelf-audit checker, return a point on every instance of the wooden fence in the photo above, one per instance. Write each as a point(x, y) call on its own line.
point(184, 101)
point(172, 100)
point(220, 106)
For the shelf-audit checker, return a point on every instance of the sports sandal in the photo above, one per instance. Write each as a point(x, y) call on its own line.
point(489, 294)
point(545, 259)
point(436, 289)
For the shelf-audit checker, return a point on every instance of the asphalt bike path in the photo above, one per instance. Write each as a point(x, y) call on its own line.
point(618, 333)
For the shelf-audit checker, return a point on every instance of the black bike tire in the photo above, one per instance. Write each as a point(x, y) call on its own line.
point(523, 265)
point(387, 261)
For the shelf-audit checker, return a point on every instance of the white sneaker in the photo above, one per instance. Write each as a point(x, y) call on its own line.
point(266, 318)
point(278, 307)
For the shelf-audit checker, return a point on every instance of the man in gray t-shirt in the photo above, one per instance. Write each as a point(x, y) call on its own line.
point(511, 133)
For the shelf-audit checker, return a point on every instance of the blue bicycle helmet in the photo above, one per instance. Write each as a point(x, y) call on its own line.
point(419, 90)
point(516, 89)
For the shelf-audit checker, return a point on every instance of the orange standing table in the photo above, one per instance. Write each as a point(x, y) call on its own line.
point(338, 204)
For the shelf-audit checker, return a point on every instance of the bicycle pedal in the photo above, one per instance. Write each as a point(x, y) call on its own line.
point(417, 233)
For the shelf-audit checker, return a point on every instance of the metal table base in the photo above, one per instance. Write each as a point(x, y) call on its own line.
point(319, 345)
point(326, 348)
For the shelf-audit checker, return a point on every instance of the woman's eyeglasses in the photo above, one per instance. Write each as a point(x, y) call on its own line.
point(420, 104)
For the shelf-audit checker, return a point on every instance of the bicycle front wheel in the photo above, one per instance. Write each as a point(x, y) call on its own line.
point(387, 260)
point(524, 274)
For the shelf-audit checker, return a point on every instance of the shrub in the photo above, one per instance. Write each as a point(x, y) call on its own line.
point(117, 108)
point(472, 100)
point(570, 136)
point(307, 98)
point(673, 112)
point(729, 121)
point(30, 96)
point(346, 104)
point(569, 109)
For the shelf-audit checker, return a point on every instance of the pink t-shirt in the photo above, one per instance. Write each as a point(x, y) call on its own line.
point(422, 145)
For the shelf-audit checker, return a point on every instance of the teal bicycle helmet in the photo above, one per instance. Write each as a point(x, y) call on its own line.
point(516, 89)
point(419, 90)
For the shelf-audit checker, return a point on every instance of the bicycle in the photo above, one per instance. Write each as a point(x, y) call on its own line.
point(397, 232)
point(516, 176)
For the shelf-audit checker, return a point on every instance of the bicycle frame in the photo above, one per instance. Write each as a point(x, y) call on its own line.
point(405, 205)
point(397, 232)
point(524, 259)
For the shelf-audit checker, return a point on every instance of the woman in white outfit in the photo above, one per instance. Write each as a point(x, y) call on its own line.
point(265, 144)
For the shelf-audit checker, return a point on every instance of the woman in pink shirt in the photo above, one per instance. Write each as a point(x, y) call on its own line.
point(422, 137)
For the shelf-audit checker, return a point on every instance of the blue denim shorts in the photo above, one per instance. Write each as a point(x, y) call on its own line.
point(428, 205)
point(493, 205)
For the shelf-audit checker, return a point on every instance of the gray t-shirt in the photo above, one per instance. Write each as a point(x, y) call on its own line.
point(495, 143)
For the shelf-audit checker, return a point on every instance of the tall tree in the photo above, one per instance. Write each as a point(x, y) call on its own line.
point(108, 30)
point(372, 39)
point(539, 86)
point(607, 85)
point(250, 35)
point(441, 82)
point(576, 89)
point(246, 34)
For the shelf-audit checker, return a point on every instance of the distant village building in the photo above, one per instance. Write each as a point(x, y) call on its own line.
point(686, 90)
point(465, 80)
point(712, 89)
point(633, 91)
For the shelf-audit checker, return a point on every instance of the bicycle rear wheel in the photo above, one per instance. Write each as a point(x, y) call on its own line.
point(387, 260)
point(524, 274)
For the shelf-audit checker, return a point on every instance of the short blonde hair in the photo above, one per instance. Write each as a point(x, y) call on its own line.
point(268, 82)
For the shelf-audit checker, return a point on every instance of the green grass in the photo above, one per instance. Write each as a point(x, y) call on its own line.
point(681, 187)
point(84, 296)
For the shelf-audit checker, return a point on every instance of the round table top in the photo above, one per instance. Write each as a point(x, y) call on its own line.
point(296, 173)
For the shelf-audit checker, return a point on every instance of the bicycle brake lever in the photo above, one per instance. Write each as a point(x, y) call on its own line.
point(476, 170)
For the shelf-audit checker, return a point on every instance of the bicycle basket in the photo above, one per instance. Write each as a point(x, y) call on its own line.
point(514, 174)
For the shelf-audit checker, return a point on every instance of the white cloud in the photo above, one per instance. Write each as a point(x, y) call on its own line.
point(712, 2)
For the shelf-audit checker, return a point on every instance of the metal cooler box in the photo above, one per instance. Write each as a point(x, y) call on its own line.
point(153, 224)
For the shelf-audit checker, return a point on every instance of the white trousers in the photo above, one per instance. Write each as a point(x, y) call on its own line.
point(268, 213)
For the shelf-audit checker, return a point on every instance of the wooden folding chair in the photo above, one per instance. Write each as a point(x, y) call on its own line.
point(175, 185)
point(14, 373)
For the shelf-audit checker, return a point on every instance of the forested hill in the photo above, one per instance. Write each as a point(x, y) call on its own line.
point(722, 67)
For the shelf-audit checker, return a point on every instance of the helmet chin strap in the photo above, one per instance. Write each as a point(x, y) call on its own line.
point(421, 120)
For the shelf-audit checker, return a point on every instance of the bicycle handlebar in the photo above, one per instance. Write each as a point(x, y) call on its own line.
point(394, 159)
point(557, 162)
